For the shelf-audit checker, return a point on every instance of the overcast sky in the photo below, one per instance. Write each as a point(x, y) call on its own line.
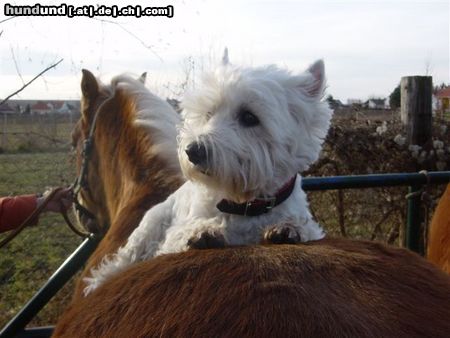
point(367, 46)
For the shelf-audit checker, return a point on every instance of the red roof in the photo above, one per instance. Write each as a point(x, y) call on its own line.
point(40, 105)
point(57, 104)
point(441, 93)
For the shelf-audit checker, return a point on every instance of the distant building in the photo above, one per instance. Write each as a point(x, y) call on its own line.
point(61, 107)
point(354, 102)
point(73, 107)
point(443, 99)
point(377, 104)
point(45, 106)
point(55, 105)
point(6, 109)
point(41, 107)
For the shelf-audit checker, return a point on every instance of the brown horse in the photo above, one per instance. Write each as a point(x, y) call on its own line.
point(131, 165)
point(438, 250)
point(329, 288)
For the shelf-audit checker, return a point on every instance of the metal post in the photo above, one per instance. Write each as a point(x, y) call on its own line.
point(53, 285)
point(414, 220)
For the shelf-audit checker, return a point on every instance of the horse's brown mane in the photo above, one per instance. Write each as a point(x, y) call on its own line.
point(331, 288)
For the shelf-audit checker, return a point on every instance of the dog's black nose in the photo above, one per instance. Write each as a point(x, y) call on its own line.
point(196, 153)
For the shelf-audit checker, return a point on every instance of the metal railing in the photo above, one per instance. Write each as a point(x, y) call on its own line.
point(415, 181)
point(15, 327)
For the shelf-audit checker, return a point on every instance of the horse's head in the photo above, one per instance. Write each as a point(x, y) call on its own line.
point(90, 201)
point(119, 149)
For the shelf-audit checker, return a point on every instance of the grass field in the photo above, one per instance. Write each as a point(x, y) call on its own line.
point(33, 133)
point(30, 259)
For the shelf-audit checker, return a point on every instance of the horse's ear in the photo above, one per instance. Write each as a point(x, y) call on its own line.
point(143, 77)
point(89, 85)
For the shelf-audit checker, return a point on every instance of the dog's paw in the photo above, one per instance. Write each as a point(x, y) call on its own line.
point(282, 234)
point(207, 240)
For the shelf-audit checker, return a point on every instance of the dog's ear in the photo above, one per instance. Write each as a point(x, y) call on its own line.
point(317, 85)
point(143, 77)
point(89, 86)
point(225, 59)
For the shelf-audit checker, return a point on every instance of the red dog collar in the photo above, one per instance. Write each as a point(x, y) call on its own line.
point(258, 206)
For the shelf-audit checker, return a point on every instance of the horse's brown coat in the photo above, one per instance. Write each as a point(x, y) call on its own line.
point(331, 288)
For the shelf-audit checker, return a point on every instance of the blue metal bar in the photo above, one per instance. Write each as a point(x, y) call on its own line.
point(373, 181)
point(70, 266)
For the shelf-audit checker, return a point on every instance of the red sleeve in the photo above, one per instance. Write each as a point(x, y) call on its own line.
point(14, 210)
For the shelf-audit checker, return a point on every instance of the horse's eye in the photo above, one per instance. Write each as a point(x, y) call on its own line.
point(247, 118)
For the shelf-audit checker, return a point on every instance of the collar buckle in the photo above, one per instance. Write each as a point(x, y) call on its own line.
point(271, 203)
point(247, 205)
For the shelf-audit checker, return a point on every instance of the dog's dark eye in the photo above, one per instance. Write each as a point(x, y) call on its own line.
point(247, 118)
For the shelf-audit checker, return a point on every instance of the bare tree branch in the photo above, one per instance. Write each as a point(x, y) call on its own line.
point(29, 82)
point(149, 47)
point(377, 227)
point(7, 19)
point(16, 65)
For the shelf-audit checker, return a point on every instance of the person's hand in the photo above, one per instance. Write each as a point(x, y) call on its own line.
point(61, 200)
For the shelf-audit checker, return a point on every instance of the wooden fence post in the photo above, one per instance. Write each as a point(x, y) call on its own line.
point(416, 114)
point(416, 109)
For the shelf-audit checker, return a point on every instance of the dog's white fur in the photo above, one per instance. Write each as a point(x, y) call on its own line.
point(243, 162)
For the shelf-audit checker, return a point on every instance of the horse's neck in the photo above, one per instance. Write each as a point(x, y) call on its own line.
point(134, 181)
point(119, 189)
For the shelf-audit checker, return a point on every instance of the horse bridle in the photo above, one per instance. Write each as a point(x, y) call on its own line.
point(81, 182)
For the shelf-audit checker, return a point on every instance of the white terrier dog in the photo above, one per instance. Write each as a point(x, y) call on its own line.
point(247, 133)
